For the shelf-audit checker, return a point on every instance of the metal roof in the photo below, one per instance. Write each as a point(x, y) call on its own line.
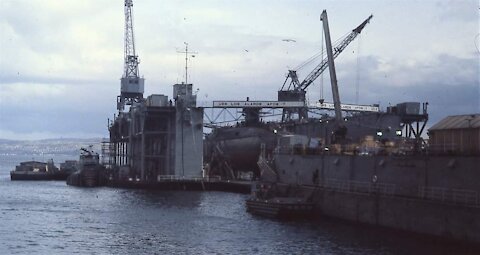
point(457, 122)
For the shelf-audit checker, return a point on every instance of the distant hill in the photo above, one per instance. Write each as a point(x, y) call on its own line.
point(49, 146)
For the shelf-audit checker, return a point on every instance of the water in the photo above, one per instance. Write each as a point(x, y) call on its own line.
point(49, 217)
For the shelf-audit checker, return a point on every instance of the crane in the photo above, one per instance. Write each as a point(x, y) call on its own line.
point(132, 85)
point(331, 65)
point(296, 90)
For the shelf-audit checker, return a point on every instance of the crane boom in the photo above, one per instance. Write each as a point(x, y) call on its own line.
point(324, 64)
point(296, 90)
point(131, 59)
point(336, 51)
point(331, 64)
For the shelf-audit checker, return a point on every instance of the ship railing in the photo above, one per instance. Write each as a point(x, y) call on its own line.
point(452, 149)
point(443, 148)
point(299, 150)
point(188, 178)
point(451, 196)
point(385, 189)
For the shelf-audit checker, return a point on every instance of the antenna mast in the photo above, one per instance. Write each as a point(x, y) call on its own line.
point(186, 60)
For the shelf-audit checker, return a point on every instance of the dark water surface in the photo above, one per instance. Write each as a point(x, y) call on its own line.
point(49, 217)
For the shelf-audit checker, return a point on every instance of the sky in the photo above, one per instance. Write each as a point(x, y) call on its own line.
point(61, 61)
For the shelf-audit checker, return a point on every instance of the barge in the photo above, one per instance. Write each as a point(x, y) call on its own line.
point(38, 171)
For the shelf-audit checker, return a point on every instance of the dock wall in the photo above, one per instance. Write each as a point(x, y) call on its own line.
point(457, 222)
point(425, 194)
point(433, 177)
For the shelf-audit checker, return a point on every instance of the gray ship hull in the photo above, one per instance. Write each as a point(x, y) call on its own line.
point(240, 146)
point(31, 176)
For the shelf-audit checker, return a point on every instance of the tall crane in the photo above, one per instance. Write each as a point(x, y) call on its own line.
point(132, 85)
point(333, 73)
point(296, 90)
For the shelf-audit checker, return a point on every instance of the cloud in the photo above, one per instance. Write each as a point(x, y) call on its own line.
point(450, 84)
point(56, 39)
point(61, 61)
point(462, 11)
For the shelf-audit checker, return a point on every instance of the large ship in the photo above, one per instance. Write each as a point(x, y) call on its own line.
point(230, 151)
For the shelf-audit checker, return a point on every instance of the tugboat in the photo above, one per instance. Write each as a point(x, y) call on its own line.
point(37, 171)
point(90, 173)
point(272, 199)
point(263, 202)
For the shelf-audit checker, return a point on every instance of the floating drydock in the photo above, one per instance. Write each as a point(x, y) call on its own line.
point(158, 137)
point(158, 144)
point(154, 137)
point(432, 191)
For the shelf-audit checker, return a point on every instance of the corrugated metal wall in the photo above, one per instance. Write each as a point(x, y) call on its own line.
point(457, 141)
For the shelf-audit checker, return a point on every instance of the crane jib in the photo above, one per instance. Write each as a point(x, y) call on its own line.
point(315, 73)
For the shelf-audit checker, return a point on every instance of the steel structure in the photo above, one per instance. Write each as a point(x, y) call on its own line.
point(267, 110)
point(296, 90)
point(331, 65)
point(132, 85)
point(131, 59)
point(155, 136)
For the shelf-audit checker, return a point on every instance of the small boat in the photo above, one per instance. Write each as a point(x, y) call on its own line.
point(90, 172)
point(266, 201)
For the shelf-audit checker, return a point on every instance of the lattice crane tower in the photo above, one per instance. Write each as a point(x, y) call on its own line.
point(132, 86)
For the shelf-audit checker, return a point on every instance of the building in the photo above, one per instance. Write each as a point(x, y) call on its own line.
point(459, 134)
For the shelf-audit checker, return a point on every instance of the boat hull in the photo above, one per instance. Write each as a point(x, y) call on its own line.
point(280, 210)
point(239, 146)
point(38, 176)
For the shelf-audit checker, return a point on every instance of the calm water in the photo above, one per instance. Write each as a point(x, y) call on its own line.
point(49, 217)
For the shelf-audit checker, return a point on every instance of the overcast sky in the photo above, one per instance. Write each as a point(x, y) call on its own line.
point(61, 61)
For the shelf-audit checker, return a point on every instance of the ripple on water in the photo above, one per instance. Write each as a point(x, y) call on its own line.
point(50, 217)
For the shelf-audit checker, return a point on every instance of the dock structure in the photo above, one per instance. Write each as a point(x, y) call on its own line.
point(152, 137)
point(158, 137)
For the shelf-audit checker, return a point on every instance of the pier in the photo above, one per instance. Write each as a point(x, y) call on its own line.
point(171, 182)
